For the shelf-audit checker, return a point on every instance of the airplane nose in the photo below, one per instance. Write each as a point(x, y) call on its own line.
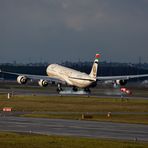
point(49, 65)
point(47, 69)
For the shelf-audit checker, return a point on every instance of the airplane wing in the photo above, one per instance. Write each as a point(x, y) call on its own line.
point(124, 77)
point(35, 77)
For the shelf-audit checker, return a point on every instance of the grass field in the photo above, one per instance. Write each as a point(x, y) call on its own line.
point(73, 107)
point(23, 140)
point(141, 119)
point(73, 104)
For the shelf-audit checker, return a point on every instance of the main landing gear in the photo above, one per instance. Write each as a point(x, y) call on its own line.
point(87, 90)
point(73, 90)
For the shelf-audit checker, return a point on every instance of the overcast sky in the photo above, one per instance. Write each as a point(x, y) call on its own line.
point(59, 30)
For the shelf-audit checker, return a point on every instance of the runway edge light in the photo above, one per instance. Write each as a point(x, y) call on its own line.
point(7, 109)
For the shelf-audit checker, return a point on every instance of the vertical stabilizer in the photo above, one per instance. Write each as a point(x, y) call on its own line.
point(94, 69)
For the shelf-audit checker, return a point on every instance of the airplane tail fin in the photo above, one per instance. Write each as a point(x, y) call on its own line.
point(94, 69)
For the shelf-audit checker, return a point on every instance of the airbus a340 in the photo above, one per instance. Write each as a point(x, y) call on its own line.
point(61, 75)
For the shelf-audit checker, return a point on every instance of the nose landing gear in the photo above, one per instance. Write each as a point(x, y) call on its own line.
point(59, 88)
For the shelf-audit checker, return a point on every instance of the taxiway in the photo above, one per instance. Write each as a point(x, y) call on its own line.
point(75, 128)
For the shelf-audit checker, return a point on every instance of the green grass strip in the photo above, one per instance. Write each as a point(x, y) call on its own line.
point(21, 140)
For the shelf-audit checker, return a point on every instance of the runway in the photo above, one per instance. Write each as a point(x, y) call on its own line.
point(100, 93)
point(79, 128)
point(107, 91)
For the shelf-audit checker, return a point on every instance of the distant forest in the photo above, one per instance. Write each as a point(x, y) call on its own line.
point(105, 69)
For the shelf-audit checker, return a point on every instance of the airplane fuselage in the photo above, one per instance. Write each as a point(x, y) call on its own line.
point(70, 76)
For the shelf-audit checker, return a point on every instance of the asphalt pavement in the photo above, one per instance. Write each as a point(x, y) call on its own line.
point(78, 128)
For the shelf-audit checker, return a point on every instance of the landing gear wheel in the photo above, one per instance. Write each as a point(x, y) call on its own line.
point(87, 90)
point(59, 88)
point(75, 89)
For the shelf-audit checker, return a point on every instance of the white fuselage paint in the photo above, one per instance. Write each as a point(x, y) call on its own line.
point(70, 76)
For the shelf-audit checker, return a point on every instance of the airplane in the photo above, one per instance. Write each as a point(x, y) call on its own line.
point(61, 75)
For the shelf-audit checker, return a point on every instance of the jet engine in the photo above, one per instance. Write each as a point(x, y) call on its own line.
point(22, 79)
point(121, 82)
point(43, 83)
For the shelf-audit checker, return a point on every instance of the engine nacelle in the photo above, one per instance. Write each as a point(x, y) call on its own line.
point(121, 82)
point(43, 83)
point(22, 79)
